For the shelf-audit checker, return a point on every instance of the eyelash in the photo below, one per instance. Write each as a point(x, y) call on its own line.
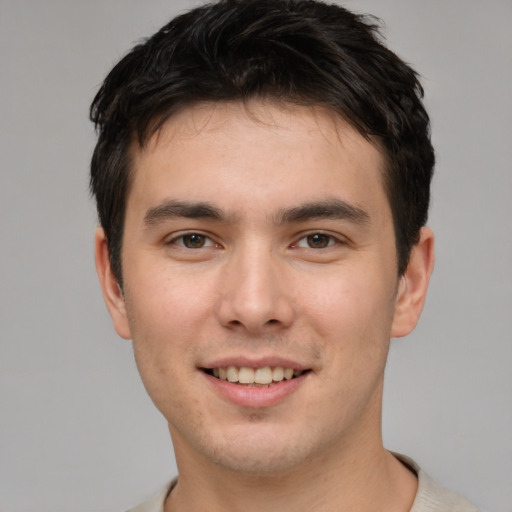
point(180, 240)
point(331, 240)
point(208, 242)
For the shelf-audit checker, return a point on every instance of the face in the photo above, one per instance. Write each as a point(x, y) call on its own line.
point(258, 246)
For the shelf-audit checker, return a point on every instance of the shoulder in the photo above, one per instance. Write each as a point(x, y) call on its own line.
point(433, 497)
point(156, 502)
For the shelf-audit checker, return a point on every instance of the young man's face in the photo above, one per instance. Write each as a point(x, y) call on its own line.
point(262, 241)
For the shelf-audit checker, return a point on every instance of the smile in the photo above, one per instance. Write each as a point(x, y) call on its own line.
point(254, 377)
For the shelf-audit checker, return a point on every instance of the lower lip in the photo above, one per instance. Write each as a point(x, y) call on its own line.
point(255, 397)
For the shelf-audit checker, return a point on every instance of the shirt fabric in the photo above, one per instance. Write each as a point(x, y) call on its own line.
point(430, 497)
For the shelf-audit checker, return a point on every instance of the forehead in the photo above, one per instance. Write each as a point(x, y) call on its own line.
point(260, 149)
point(202, 120)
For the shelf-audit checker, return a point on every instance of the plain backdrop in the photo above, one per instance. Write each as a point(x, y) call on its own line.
point(77, 431)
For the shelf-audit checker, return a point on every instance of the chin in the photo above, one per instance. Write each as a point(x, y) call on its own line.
point(261, 453)
point(259, 464)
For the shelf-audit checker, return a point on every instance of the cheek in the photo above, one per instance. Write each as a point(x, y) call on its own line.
point(162, 351)
point(166, 299)
point(350, 301)
point(352, 318)
point(160, 315)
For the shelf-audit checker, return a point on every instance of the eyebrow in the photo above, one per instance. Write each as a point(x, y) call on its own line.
point(327, 209)
point(172, 209)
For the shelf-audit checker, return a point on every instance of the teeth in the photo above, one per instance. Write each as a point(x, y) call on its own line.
point(278, 374)
point(232, 374)
point(246, 375)
point(263, 375)
point(259, 376)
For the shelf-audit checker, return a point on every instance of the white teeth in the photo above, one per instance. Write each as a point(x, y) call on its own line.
point(263, 375)
point(232, 374)
point(246, 375)
point(288, 373)
point(259, 376)
point(278, 374)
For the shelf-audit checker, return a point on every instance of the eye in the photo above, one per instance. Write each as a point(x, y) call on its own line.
point(316, 241)
point(193, 241)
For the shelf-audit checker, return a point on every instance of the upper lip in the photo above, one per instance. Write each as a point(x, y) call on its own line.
point(251, 362)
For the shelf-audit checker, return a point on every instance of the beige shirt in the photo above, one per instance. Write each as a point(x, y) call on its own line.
point(431, 497)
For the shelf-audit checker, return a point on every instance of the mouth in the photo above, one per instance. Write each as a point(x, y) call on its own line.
point(265, 376)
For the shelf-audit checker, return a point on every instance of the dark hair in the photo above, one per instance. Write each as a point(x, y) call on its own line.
point(300, 51)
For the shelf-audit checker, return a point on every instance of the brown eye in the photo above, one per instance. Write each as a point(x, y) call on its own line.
point(194, 241)
point(318, 241)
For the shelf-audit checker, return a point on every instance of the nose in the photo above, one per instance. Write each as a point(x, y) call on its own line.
point(255, 293)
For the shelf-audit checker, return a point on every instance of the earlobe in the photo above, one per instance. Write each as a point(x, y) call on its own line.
point(112, 293)
point(412, 289)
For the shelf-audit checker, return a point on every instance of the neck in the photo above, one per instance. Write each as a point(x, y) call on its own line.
point(360, 481)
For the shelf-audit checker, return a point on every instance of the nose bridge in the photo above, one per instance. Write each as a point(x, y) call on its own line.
point(253, 294)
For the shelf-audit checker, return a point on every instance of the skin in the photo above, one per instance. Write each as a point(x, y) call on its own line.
point(256, 284)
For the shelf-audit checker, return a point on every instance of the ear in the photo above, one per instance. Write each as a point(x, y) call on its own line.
point(413, 285)
point(114, 298)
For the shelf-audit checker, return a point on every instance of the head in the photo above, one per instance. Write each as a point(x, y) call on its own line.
point(262, 176)
point(295, 51)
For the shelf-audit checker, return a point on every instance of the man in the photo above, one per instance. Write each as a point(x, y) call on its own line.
point(262, 179)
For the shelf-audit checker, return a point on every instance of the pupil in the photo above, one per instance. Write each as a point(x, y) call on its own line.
point(194, 241)
point(318, 241)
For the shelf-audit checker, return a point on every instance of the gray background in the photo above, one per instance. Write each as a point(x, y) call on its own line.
point(77, 431)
